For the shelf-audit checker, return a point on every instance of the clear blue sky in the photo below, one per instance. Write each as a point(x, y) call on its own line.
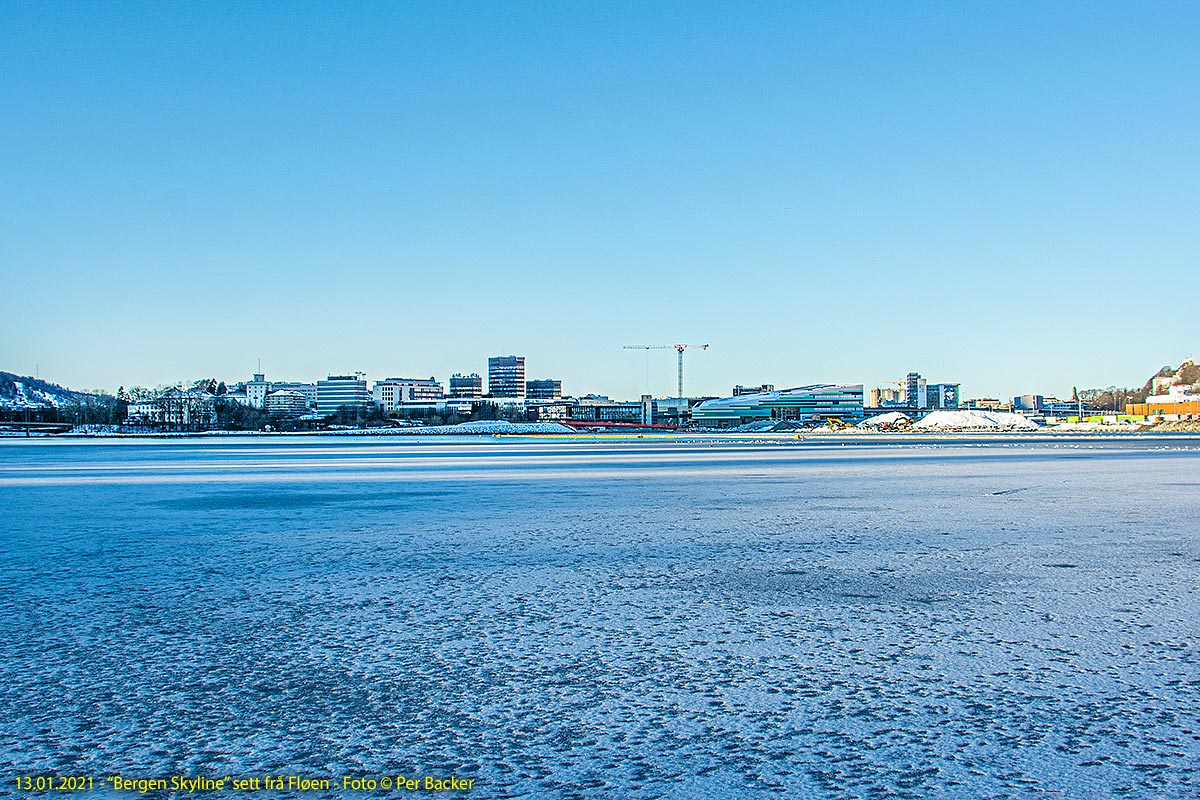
point(1003, 195)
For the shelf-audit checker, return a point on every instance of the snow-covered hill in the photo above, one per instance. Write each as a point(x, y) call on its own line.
point(18, 392)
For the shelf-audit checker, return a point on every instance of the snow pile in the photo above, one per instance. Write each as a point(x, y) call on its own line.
point(893, 419)
point(493, 427)
point(974, 421)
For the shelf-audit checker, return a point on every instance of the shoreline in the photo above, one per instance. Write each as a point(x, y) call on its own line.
point(711, 436)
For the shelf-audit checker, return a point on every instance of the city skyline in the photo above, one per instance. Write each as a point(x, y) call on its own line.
point(993, 197)
point(445, 381)
point(911, 391)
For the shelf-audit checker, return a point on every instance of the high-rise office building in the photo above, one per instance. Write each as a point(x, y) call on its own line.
point(342, 390)
point(942, 395)
point(466, 385)
point(915, 391)
point(919, 393)
point(548, 389)
point(506, 376)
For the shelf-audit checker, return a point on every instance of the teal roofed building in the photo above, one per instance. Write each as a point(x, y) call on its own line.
point(818, 402)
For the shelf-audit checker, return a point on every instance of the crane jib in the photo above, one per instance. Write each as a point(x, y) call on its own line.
point(679, 348)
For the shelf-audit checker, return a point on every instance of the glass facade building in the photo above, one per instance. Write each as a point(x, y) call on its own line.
point(803, 403)
point(506, 376)
point(466, 385)
point(548, 389)
point(919, 393)
point(341, 390)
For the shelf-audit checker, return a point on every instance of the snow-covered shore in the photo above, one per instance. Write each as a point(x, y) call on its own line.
point(478, 428)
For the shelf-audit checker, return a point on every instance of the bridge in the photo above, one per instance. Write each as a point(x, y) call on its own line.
point(36, 427)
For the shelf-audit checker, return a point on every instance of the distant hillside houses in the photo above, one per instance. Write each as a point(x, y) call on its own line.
point(1187, 375)
point(1174, 394)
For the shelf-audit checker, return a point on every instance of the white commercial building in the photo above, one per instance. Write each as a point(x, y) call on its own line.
point(397, 393)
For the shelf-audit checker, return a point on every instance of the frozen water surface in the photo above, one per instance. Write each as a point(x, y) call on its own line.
point(886, 618)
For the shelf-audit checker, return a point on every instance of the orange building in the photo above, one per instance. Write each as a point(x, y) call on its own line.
point(1164, 408)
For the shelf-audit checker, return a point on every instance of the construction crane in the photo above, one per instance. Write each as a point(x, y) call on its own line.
point(679, 348)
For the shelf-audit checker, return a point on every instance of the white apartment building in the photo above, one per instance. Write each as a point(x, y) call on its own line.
point(286, 403)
